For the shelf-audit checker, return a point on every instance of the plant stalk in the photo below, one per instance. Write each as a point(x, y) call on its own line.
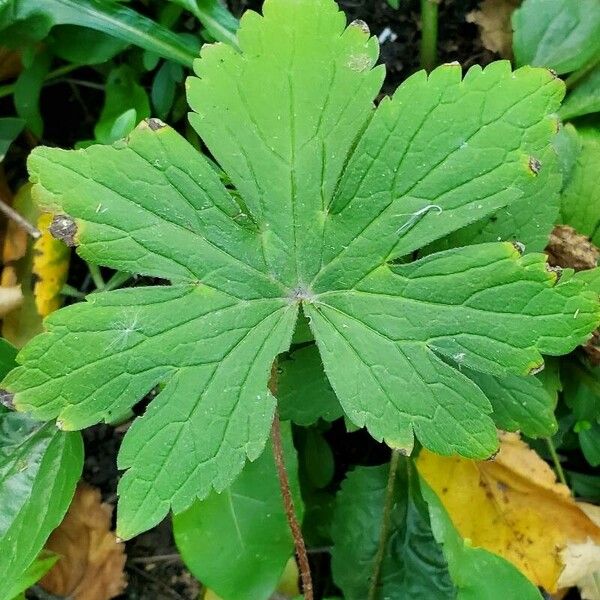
point(557, 466)
point(290, 511)
point(96, 276)
point(385, 524)
point(429, 33)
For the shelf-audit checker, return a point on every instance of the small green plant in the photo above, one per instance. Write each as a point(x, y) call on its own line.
point(329, 199)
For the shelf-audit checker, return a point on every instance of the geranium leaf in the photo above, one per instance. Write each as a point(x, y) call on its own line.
point(380, 353)
point(328, 192)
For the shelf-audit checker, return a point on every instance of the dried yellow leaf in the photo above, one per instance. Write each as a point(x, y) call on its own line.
point(91, 560)
point(512, 506)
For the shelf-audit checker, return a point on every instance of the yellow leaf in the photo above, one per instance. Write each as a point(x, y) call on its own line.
point(91, 560)
point(493, 19)
point(512, 506)
point(40, 267)
point(50, 267)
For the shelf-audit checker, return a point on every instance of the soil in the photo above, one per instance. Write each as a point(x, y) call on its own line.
point(154, 570)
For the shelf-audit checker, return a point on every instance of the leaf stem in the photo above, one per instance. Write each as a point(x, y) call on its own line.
point(557, 466)
point(429, 33)
point(117, 280)
point(69, 290)
point(290, 511)
point(96, 276)
point(385, 524)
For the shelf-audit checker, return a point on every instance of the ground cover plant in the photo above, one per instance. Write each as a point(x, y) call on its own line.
point(337, 330)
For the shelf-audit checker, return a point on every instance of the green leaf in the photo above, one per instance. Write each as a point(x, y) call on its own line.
point(36, 570)
point(323, 193)
point(568, 146)
point(8, 354)
point(470, 567)
point(580, 204)
point(519, 403)
point(488, 288)
point(22, 20)
point(27, 92)
point(213, 14)
point(528, 221)
point(84, 46)
point(124, 96)
point(10, 128)
point(39, 468)
point(413, 565)
point(304, 393)
point(584, 99)
point(238, 542)
point(560, 34)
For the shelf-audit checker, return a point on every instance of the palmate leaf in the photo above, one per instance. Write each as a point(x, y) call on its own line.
point(328, 192)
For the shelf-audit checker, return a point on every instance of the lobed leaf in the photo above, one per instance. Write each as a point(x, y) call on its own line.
point(329, 192)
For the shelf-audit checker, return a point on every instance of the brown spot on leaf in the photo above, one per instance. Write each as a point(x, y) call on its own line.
point(535, 165)
point(361, 25)
point(155, 124)
point(63, 228)
point(6, 399)
point(569, 249)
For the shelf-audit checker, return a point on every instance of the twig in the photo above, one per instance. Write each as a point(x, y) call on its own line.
point(429, 33)
point(157, 558)
point(290, 511)
point(557, 466)
point(21, 221)
point(156, 581)
point(385, 525)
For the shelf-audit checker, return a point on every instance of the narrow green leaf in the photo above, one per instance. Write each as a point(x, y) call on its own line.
point(580, 205)
point(413, 565)
point(215, 16)
point(238, 542)
point(568, 146)
point(39, 468)
point(470, 567)
point(27, 92)
point(560, 34)
point(10, 128)
point(8, 354)
point(304, 392)
point(34, 19)
point(36, 570)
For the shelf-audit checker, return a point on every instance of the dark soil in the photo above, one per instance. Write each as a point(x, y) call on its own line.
point(153, 568)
